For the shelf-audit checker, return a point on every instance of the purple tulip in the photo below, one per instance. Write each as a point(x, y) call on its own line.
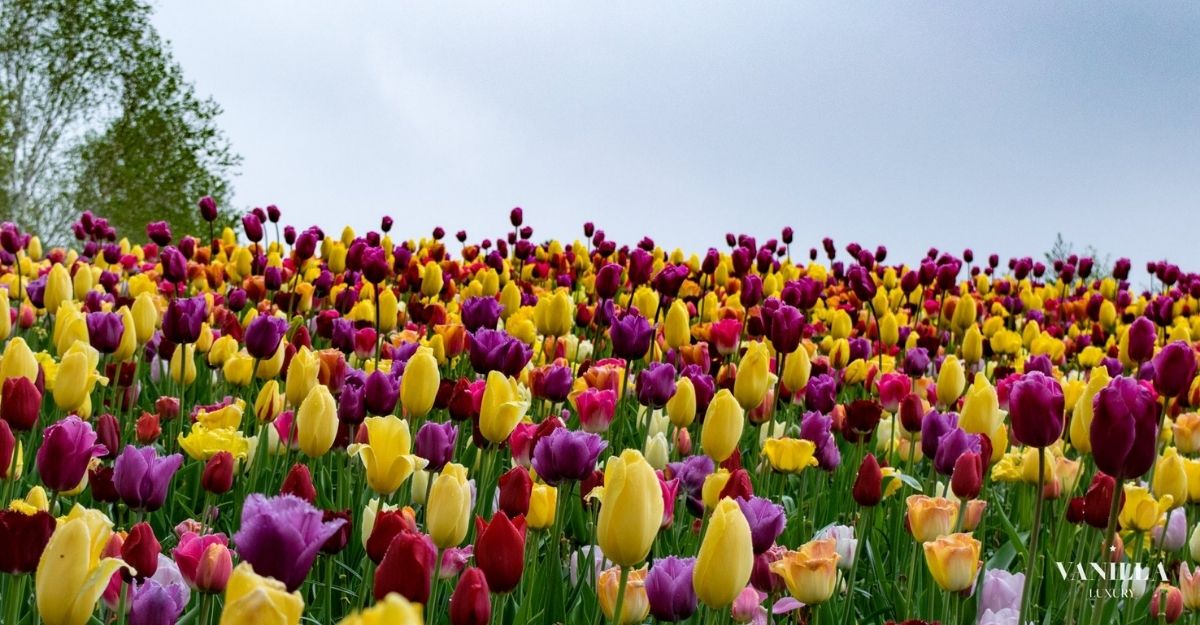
point(253, 227)
point(787, 327)
point(1035, 405)
point(141, 477)
point(1001, 590)
point(154, 603)
point(631, 334)
point(264, 334)
point(280, 536)
point(692, 471)
point(933, 426)
point(159, 232)
point(669, 589)
point(480, 312)
point(669, 280)
point(375, 265)
point(951, 445)
point(564, 455)
point(208, 208)
point(352, 409)
point(496, 350)
point(67, 448)
point(435, 443)
point(1174, 368)
point(552, 382)
point(1142, 336)
point(184, 318)
point(1124, 428)
point(104, 331)
point(767, 521)
point(818, 428)
point(608, 281)
point(821, 393)
point(861, 282)
point(656, 384)
point(380, 393)
point(916, 362)
point(703, 384)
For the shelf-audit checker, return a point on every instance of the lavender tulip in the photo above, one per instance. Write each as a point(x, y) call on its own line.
point(435, 443)
point(656, 384)
point(669, 589)
point(951, 445)
point(141, 477)
point(564, 455)
point(280, 536)
point(933, 426)
point(480, 313)
point(767, 521)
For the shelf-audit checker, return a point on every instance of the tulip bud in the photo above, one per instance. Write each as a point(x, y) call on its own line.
point(147, 429)
point(140, 550)
point(471, 604)
point(868, 490)
point(22, 403)
point(299, 482)
point(967, 478)
point(218, 473)
point(516, 488)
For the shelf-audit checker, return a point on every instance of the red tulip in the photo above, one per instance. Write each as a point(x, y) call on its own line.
point(868, 489)
point(22, 403)
point(738, 486)
point(407, 568)
point(141, 550)
point(500, 550)
point(387, 525)
point(516, 487)
point(23, 537)
point(967, 479)
point(470, 604)
point(1098, 500)
point(8, 444)
point(147, 428)
point(299, 482)
point(218, 473)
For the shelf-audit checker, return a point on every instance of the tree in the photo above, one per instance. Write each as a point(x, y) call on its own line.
point(161, 153)
point(71, 72)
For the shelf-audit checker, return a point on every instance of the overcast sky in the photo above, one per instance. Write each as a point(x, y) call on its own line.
point(908, 124)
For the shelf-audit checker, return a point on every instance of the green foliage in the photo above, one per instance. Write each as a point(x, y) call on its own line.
point(94, 113)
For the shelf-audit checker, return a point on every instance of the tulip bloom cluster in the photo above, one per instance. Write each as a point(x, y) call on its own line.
point(270, 425)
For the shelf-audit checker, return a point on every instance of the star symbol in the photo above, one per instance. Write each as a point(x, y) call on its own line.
point(1112, 548)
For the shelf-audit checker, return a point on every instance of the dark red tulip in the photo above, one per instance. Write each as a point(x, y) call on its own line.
point(516, 487)
point(1124, 428)
point(108, 432)
point(912, 412)
point(299, 482)
point(22, 403)
point(140, 550)
point(23, 537)
point(8, 445)
point(1035, 405)
point(500, 550)
point(1142, 336)
point(407, 568)
point(862, 417)
point(738, 486)
point(967, 479)
point(387, 524)
point(1076, 509)
point(1098, 500)
point(868, 485)
point(341, 538)
point(217, 477)
point(471, 604)
point(1174, 368)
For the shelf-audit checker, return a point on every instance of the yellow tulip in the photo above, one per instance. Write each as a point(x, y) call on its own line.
point(753, 376)
point(431, 279)
point(953, 561)
point(930, 517)
point(636, 604)
point(58, 288)
point(389, 308)
point(981, 408)
point(510, 299)
point(714, 484)
point(392, 610)
point(950, 381)
point(972, 345)
point(317, 422)
point(1141, 511)
point(301, 376)
point(1081, 417)
point(419, 384)
point(228, 416)
point(18, 361)
point(790, 455)
point(726, 556)
point(74, 381)
point(889, 330)
point(1192, 467)
point(1186, 430)
point(251, 599)
point(222, 349)
point(5, 318)
point(965, 312)
point(388, 457)
point(183, 365)
point(676, 331)
point(1170, 478)
point(503, 406)
point(632, 510)
point(796, 369)
point(238, 368)
point(71, 576)
point(271, 367)
point(810, 572)
point(145, 316)
point(543, 503)
point(201, 443)
point(723, 422)
point(448, 509)
point(128, 345)
point(841, 325)
point(269, 403)
point(681, 408)
point(554, 313)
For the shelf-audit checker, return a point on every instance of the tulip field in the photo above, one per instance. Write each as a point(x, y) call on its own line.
point(266, 425)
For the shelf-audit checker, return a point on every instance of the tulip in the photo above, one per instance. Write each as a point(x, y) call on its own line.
point(564, 455)
point(632, 510)
point(867, 485)
point(204, 561)
point(22, 402)
point(504, 404)
point(182, 320)
point(681, 407)
point(796, 370)
point(726, 556)
point(967, 478)
point(280, 536)
point(1141, 510)
point(23, 538)
point(67, 448)
point(632, 600)
point(388, 458)
point(543, 504)
point(470, 604)
point(316, 422)
point(448, 511)
point(1174, 368)
point(407, 568)
point(71, 576)
point(790, 455)
point(74, 382)
point(723, 422)
point(670, 589)
point(953, 560)
point(1141, 339)
point(1124, 430)
point(515, 489)
point(753, 376)
point(1170, 477)
point(930, 518)
point(1189, 586)
point(656, 384)
point(1166, 603)
point(500, 551)
point(631, 335)
point(140, 550)
point(951, 381)
point(810, 572)
point(141, 477)
point(419, 385)
point(1036, 409)
point(251, 599)
point(597, 408)
point(435, 443)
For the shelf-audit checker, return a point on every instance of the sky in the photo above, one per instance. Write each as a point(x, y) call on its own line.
point(992, 126)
